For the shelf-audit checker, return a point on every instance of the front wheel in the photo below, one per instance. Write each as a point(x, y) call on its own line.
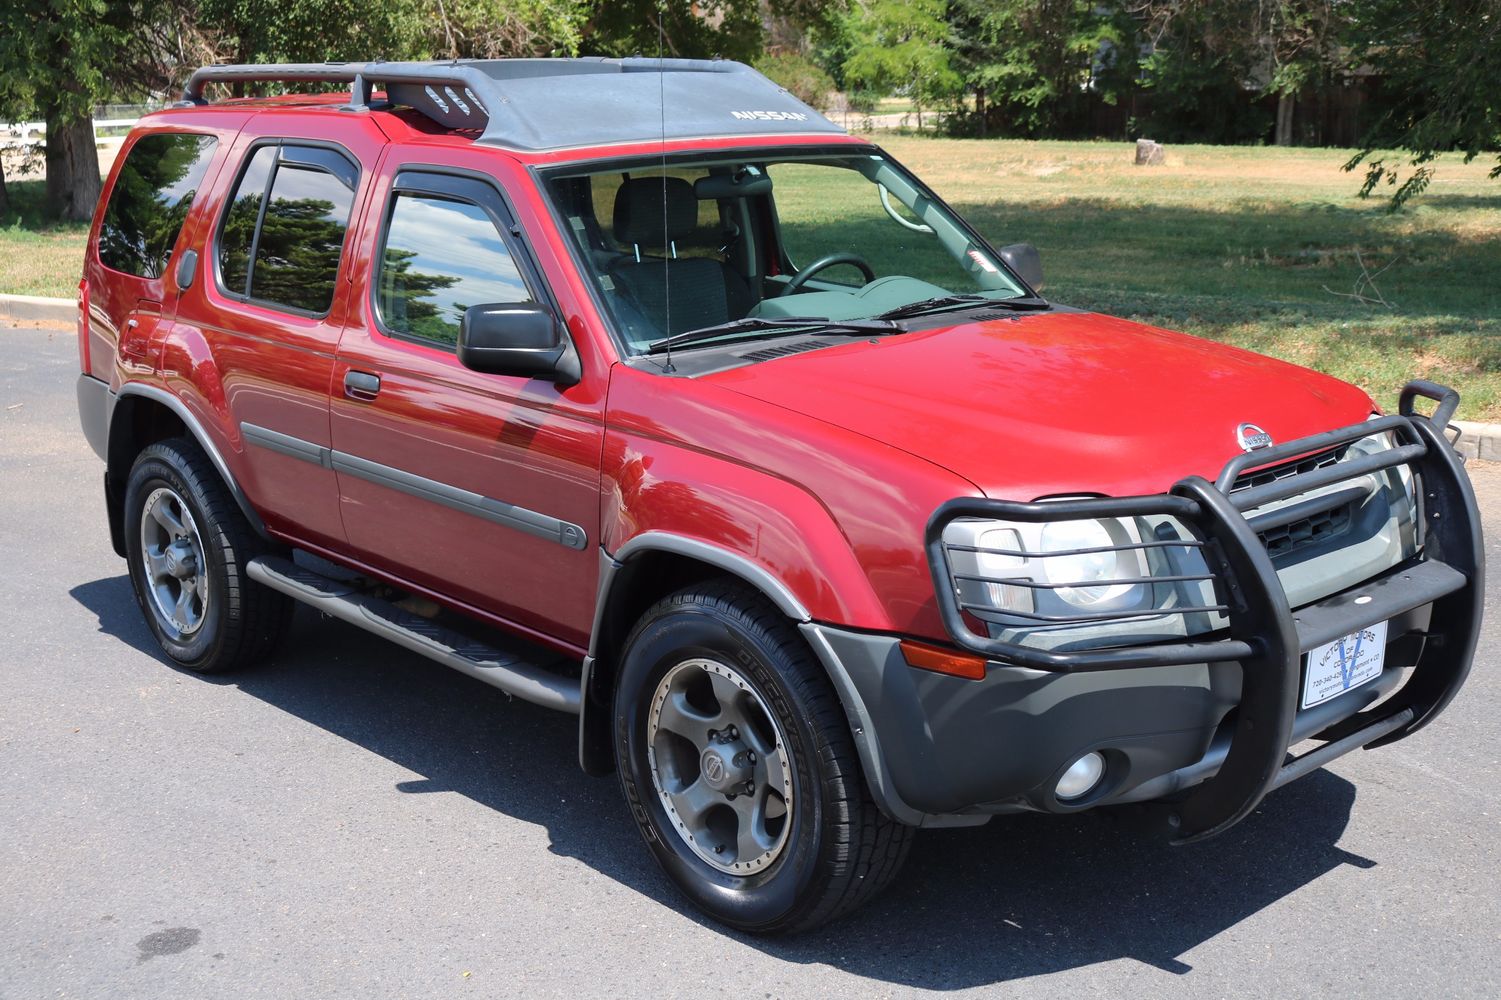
point(737, 760)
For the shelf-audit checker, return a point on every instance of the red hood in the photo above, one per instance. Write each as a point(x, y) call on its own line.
point(1055, 402)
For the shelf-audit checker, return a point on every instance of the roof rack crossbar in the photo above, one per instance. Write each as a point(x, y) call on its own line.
point(437, 89)
point(361, 75)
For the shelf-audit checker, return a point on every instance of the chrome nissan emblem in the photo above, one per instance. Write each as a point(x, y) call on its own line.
point(1252, 438)
point(713, 765)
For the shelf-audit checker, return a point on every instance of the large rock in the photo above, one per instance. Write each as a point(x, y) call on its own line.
point(1149, 153)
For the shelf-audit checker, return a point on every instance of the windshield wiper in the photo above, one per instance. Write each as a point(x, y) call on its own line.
point(758, 324)
point(1020, 303)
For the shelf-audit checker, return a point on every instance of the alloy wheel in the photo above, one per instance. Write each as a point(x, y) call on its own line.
point(720, 766)
point(176, 571)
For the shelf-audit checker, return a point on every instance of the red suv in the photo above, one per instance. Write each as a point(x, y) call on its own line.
point(641, 391)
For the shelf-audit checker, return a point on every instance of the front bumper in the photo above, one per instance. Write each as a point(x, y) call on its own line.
point(1217, 714)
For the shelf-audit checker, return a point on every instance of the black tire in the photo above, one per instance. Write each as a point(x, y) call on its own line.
point(841, 850)
point(241, 621)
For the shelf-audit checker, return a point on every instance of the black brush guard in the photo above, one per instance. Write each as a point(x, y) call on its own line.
point(1265, 636)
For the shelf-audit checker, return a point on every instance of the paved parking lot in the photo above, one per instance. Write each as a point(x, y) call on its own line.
point(352, 820)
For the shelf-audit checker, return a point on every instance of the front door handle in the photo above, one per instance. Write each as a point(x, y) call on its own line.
point(361, 385)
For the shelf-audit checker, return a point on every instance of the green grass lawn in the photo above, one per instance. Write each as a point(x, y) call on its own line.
point(38, 258)
point(1242, 244)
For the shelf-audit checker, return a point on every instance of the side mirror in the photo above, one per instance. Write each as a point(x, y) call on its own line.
point(1024, 259)
point(520, 338)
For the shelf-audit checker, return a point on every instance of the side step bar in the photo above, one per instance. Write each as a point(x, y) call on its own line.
point(506, 670)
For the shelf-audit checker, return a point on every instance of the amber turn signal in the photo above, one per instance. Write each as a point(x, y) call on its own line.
point(943, 661)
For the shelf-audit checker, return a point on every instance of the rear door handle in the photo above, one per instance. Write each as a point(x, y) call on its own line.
point(361, 385)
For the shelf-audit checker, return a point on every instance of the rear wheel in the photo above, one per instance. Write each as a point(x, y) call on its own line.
point(737, 760)
point(187, 543)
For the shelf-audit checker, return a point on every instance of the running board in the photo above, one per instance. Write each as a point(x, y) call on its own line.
point(508, 671)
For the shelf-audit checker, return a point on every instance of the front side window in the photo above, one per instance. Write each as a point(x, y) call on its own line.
point(150, 200)
point(283, 232)
point(442, 256)
point(699, 242)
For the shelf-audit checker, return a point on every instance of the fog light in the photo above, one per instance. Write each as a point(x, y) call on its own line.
point(1081, 776)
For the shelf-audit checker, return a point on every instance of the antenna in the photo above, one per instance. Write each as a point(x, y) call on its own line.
point(662, 107)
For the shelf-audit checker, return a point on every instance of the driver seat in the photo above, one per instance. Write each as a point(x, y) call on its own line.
point(657, 212)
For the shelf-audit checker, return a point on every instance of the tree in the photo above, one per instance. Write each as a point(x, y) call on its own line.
point(1301, 43)
point(902, 45)
point(1441, 60)
point(249, 31)
point(55, 70)
point(72, 54)
point(1199, 71)
point(698, 29)
point(1034, 66)
point(800, 76)
point(489, 29)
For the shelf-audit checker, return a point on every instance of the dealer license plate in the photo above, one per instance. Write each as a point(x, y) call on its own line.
point(1344, 664)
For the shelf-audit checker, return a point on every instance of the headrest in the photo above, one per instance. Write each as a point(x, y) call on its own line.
point(639, 215)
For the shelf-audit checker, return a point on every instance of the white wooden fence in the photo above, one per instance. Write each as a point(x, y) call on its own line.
point(21, 134)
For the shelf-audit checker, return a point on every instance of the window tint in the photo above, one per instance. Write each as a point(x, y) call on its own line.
point(302, 233)
point(150, 200)
point(280, 243)
point(238, 233)
point(441, 257)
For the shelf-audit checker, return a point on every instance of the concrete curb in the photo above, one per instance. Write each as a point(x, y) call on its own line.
point(1482, 441)
point(35, 309)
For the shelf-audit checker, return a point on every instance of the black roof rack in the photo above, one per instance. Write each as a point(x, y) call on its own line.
point(537, 104)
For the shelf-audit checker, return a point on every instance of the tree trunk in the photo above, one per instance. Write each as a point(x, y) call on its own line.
point(4, 194)
point(1284, 119)
point(980, 111)
point(73, 181)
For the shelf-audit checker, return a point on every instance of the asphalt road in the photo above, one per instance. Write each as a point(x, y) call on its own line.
point(353, 821)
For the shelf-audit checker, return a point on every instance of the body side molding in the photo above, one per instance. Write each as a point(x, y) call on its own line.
point(464, 501)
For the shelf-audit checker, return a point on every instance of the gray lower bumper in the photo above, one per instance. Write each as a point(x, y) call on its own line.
point(944, 751)
point(95, 402)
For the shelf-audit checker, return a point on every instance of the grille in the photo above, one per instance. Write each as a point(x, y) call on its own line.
point(1289, 538)
point(1277, 473)
point(798, 347)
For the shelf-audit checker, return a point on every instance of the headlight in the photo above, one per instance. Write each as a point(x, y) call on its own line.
point(1082, 580)
point(1082, 552)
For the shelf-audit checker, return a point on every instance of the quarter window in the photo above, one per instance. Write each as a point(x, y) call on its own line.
point(150, 200)
point(442, 256)
point(283, 233)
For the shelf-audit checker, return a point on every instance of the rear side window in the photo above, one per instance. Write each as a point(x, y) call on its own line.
point(442, 256)
point(283, 231)
point(150, 200)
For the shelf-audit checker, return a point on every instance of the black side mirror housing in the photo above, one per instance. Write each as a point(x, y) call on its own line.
point(517, 338)
point(1024, 259)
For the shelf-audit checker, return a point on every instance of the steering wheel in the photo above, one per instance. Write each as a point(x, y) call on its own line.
point(825, 262)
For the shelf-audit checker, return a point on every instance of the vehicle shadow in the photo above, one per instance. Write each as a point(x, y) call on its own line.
point(1023, 896)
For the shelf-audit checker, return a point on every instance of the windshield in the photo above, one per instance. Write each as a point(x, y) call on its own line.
point(696, 244)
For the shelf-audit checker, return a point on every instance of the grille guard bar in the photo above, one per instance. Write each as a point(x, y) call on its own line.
point(1265, 636)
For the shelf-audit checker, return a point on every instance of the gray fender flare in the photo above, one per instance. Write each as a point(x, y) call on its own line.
point(195, 428)
point(596, 754)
